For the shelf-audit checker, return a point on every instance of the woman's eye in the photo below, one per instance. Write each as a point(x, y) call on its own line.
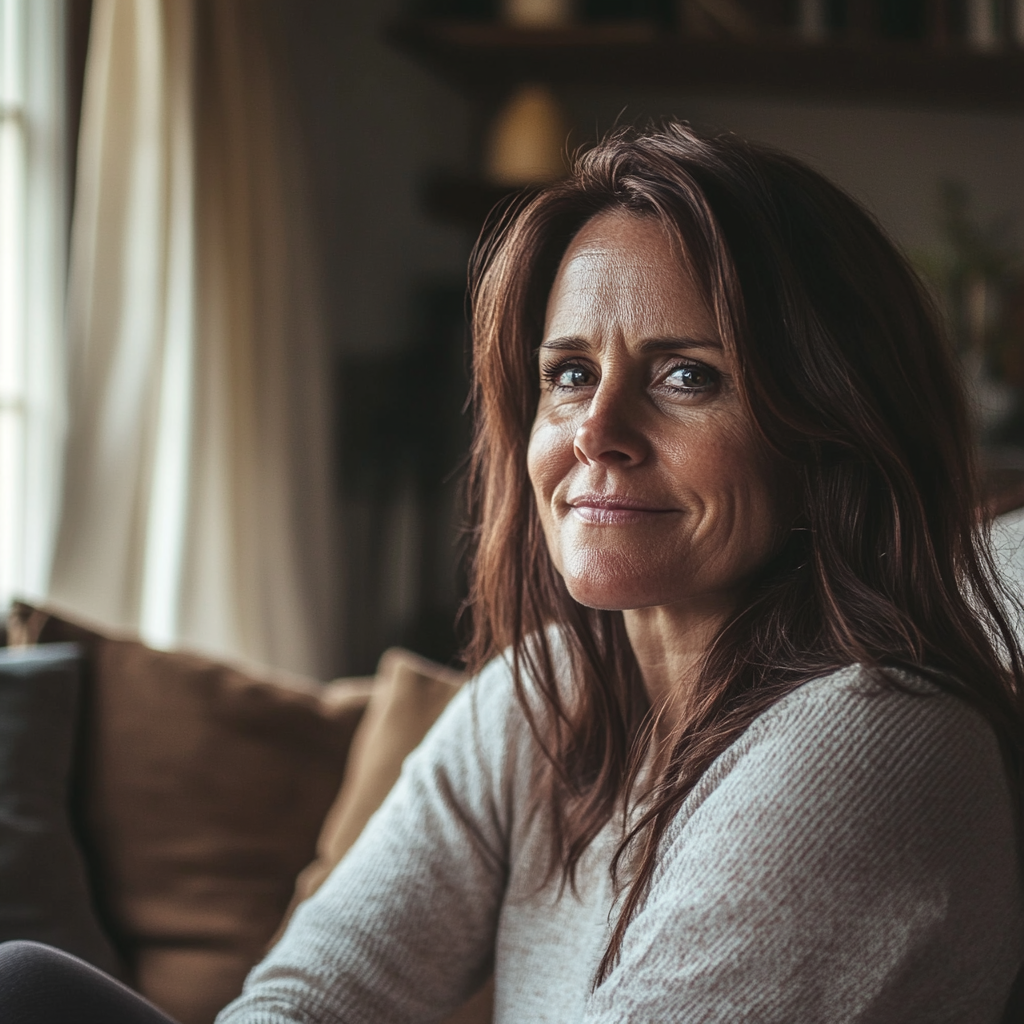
point(571, 376)
point(690, 377)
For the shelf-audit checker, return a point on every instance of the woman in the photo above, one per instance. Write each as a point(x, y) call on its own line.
point(745, 739)
point(751, 751)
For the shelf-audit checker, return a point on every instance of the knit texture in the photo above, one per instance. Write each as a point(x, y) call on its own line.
point(851, 857)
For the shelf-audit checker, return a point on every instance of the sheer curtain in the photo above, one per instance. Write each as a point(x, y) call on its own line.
point(33, 241)
point(196, 503)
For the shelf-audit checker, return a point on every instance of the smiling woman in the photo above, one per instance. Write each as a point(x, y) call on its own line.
point(745, 739)
point(744, 742)
point(652, 488)
point(722, 442)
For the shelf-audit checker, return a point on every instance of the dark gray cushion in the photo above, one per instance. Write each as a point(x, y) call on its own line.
point(44, 889)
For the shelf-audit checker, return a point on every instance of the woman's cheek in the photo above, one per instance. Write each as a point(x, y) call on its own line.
point(549, 457)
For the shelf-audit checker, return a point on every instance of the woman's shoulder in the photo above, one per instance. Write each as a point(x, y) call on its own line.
point(859, 706)
point(497, 706)
point(483, 732)
point(858, 844)
point(856, 735)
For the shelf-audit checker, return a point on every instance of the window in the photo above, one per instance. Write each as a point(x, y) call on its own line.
point(33, 245)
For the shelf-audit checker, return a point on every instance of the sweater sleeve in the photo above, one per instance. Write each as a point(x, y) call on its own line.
point(403, 929)
point(851, 858)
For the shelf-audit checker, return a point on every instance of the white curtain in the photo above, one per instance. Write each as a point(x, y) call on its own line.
point(196, 503)
point(33, 241)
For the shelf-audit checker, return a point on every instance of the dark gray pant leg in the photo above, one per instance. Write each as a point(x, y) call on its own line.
point(43, 985)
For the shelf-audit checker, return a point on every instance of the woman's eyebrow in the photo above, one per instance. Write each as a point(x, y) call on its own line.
point(575, 344)
point(671, 344)
point(572, 343)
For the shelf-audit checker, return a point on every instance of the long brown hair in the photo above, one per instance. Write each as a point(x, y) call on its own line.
point(844, 367)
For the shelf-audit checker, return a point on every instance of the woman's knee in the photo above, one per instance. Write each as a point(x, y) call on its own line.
point(43, 985)
point(25, 955)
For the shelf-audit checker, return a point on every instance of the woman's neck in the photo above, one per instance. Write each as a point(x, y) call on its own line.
point(669, 642)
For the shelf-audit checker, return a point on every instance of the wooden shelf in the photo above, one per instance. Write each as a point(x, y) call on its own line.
point(486, 59)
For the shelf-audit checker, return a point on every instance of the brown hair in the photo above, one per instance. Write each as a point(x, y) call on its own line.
point(846, 374)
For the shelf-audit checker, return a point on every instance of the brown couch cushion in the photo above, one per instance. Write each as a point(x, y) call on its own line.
point(199, 796)
point(410, 694)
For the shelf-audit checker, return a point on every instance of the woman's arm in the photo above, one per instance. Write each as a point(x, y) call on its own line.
point(403, 930)
point(852, 858)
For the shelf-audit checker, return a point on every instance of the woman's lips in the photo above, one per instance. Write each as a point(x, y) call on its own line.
point(610, 509)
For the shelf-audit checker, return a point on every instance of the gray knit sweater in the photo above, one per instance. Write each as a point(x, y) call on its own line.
point(852, 857)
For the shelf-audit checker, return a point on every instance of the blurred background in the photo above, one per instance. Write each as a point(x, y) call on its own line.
point(233, 238)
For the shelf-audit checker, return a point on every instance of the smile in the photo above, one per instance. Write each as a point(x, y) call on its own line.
point(612, 509)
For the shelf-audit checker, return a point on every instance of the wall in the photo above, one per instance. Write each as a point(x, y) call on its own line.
point(374, 123)
point(891, 158)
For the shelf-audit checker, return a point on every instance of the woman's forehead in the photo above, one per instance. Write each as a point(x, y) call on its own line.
point(622, 231)
point(629, 269)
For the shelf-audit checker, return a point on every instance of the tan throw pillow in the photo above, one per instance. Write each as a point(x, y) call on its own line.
point(199, 797)
point(409, 696)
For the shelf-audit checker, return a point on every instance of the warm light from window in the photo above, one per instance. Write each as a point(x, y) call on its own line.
point(32, 265)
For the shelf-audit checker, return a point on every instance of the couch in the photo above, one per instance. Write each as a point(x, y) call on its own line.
point(162, 813)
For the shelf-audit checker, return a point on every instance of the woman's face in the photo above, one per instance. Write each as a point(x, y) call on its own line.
point(651, 488)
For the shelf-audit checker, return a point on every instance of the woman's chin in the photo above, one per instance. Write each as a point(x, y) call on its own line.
point(615, 580)
point(611, 596)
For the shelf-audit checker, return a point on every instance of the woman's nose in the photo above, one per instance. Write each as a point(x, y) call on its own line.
point(611, 432)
